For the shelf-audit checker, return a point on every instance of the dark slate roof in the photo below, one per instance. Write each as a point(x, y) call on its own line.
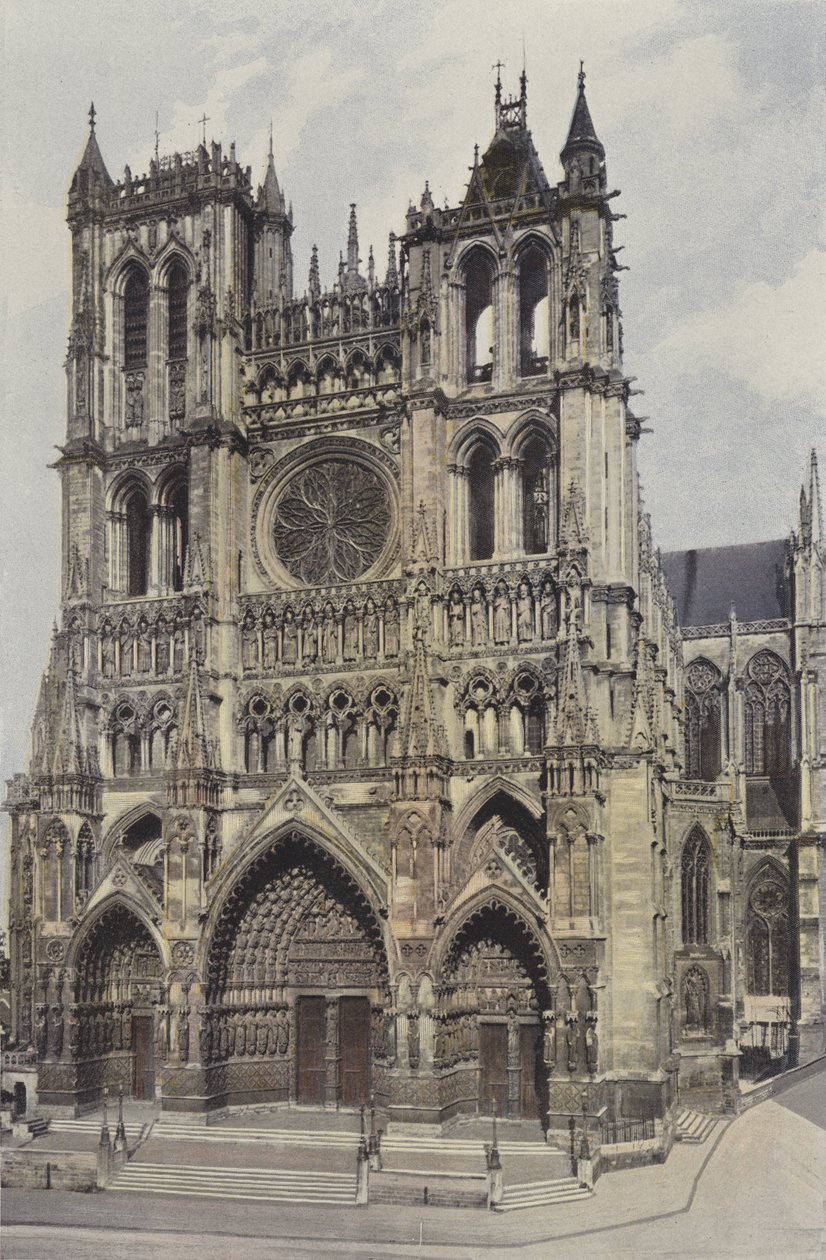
point(581, 131)
point(706, 582)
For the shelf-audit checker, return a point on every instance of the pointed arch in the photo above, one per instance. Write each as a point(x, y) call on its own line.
point(695, 887)
point(499, 911)
point(703, 707)
point(768, 930)
point(767, 702)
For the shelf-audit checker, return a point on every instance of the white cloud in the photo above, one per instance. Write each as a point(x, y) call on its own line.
point(770, 337)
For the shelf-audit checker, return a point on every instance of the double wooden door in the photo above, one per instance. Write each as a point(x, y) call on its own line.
point(353, 1051)
point(493, 1069)
point(143, 1061)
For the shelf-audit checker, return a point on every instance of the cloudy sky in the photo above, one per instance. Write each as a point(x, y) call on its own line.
point(712, 115)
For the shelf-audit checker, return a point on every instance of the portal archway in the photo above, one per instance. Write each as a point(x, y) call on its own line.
point(297, 980)
point(495, 998)
point(118, 994)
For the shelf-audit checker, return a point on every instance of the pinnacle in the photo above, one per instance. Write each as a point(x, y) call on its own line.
point(581, 133)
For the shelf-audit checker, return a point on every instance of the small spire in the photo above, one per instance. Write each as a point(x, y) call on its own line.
point(814, 500)
point(392, 277)
point(315, 279)
point(270, 152)
point(581, 133)
point(371, 268)
point(353, 242)
point(269, 195)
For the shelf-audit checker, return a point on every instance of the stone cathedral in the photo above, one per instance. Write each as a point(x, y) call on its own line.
point(379, 753)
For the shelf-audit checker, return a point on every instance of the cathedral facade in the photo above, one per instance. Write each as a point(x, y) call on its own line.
point(379, 752)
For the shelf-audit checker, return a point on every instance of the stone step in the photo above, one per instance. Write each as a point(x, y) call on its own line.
point(541, 1193)
point(694, 1126)
point(181, 1131)
point(39, 1125)
point(259, 1184)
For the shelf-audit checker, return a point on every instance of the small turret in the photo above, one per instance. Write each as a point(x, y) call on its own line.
point(270, 199)
point(91, 179)
point(273, 251)
point(583, 153)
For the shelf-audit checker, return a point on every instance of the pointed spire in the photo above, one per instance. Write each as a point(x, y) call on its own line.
point(269, 194)
point(69, 757)
point(371, 268)
point(421, 734)
point(814, 500)
point(392, 277)
point(194, 752)
point(581, 133)
point(314, 282)
point(353, 244)
point(92, 168)
point(573, 720)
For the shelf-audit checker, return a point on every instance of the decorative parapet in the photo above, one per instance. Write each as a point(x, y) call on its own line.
point(722, 629)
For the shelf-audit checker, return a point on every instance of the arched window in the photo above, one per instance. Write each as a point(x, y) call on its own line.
point(696, 868)
point(702, 721)
point(533, 312)
point(137, 542)
point(480, 503)
point(178, 285)
point(479, 325)
point(135, 318)
point(179, 529)
point(536, 497)
point(767, 936)
point(767, 711)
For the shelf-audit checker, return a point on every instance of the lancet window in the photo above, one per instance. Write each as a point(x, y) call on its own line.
point(534, 337)
point(178, 292)
point(767, 713)
point(695, 888)
point(479, 320)
point(767, 935)
point(138, 528)
point(537, 497)
point(481, 502)
point(135, 318)
point(702, 721)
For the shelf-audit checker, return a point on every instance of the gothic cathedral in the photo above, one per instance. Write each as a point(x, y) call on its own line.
point(379, 751)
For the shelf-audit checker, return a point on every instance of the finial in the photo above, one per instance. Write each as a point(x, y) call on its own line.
point(581, 76)
point(203, 122)
point(498, 66)
point(270, 154)
point(92, 115)
point(157, 137)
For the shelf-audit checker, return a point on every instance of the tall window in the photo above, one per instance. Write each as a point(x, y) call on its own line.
point(480, 497)
point(479, 328)
point(137, 542)
point(135, 318)
point(178, 286)
point(179, 509)
point(533, 312)
point(767, 936)
point(536, 497)
point(767, 716)
point(695, 888)
point(702, 721)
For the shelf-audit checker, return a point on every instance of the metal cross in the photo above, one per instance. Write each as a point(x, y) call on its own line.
point(157, 137)
point(498, 66)
point(582, 74)
point(92, 116)
point(203, 121)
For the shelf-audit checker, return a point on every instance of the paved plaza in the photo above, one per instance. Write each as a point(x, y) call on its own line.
point(756, 1189)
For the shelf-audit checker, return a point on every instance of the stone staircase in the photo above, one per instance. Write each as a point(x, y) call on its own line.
point(92, 1124)
point(695, 1127)
point(255, 1184)
point(532, 1194)
point(39, 1126)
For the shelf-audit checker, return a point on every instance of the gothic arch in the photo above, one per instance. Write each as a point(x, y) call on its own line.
point(500, 913)
point(174, 252)
point(130, 256)
point(122, 485)
point(476, 431)
point(703, 719)
point(530, 424)
point(476, 247)
point(265, 902)
point(696, 886)
point(471, 807)
point(92, 921)
point(767, 917)
point(767, 696)
point(124, 823)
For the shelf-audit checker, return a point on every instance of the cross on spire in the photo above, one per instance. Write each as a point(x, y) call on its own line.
point(581, 78)
point(203, 122)
point(157, 137)
point(498, 66)
point(92, 115)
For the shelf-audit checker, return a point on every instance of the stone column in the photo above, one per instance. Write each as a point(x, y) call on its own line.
point(331, 1086)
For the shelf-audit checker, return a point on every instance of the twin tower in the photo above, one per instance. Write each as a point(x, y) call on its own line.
point(358, 764)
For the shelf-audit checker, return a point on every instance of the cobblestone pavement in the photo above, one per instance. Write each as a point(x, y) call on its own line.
point(755, 1190)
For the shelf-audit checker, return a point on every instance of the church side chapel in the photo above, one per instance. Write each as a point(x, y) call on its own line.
point(379, 752)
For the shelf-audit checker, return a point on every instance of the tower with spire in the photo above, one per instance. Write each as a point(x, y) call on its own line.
point(374, 720)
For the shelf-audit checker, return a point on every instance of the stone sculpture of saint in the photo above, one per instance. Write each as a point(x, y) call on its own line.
point(501, 614)
point(107, 654)
point(391, 630)
point(249, 644)
point(162, 647)
point(144, 647)
point(178, 650)
point(309, 637)
point(370, 630)
point(524, 613)
point(270, 637)
point(351, 632)
point(547, 610)
point(456, 620)
point(329, 635)
point(478, 618)
point(290, 638)
point(126, 649)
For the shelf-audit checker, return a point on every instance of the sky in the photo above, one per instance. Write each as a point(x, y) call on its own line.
point(712, 116)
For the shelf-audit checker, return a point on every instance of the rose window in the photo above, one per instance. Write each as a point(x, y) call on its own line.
point(331, 522)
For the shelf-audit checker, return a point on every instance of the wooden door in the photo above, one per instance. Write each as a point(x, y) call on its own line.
point(311, 1063)
point(143, 1062)
point(354, 1050)
point(493, 1068)
point(530, 1043)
